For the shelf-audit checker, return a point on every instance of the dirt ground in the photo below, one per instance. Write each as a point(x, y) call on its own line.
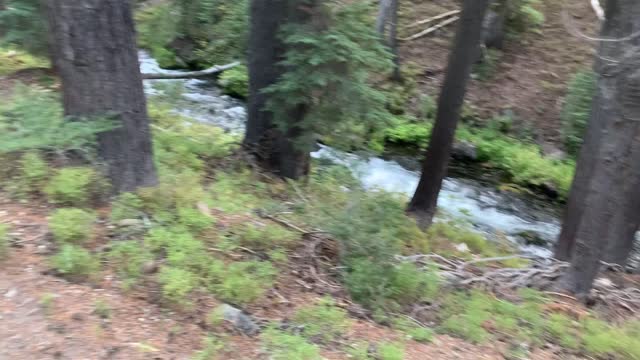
point(46, 317)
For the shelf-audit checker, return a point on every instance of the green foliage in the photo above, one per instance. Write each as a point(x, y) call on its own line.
point(102, 309)
point(194, 219)
point(177, 284)
point(74, 226)
point(33, 174)
point(129, 258)
point(235, 82)
point(604, 340)
point(455, 233)
point(240, 282)
point(413, 330)
point(577, 109)
point(329, 62)
point(126, 206)
point(22, 24)
point(157, 26)
point(211, 348)
point(13, 60)
point(75, 262)
point(75, 186)
point(263, 237)
point(487, 68)
point(322, 322)
point(560, 329)
point(4, 241)
point(390, 351)
point(32, 119)
point(407, 132)
point(523, 15)
point(285, 346)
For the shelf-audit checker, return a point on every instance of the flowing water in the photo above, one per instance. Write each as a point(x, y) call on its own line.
point(486, 209)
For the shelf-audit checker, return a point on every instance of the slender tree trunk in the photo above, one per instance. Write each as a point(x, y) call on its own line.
point(96, 56)
point(393, 41)
point(424, 202)
point(608, 208)
point(384, 10)
point(275, 149)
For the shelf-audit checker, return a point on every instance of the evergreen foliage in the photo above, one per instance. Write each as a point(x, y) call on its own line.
point(577, 109)
point(329, 64)
point(23, 26)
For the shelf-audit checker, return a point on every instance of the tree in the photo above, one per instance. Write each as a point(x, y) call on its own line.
point(95, 54)
point(606, 217)
point(388, 15)
point(465, 48)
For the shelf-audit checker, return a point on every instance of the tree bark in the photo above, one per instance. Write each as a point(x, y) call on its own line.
point(393, 41)
point(608, 209)
point(466, 44)
point(95, 54)
point(275, 149)
point(591, 144)
point(384, 9)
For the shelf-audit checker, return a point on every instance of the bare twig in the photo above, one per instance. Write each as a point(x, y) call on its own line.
point(434, 18)
point(431, 29)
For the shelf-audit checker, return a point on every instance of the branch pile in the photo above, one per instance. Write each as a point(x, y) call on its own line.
point(542, 274)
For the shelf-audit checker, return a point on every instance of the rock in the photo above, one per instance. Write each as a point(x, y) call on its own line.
point(130, 223)
point(11, 293)
point(150, 267)
point(532, 238)
point(239, 319)
point(464, 151)
point(462, 247)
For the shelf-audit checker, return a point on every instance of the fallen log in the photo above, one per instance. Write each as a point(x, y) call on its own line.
point(210, 72)
point(431, 19)
point(432, 29)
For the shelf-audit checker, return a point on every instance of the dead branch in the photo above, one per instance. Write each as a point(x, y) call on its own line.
point(595, 4)
point(431, 29)
point(434, 18)
point(207, 73)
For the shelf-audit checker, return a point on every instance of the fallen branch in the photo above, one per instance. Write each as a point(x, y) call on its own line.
point(434, 18)
point(595, 4)
point(210, 72)
point(431, 29)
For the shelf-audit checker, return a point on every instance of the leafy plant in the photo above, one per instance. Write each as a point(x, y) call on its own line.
point(32, 119)
point(74, 186)
point(390, 351)
point(129, 258)
point(177, 284)
point(263, 237)
point(322, 322)
point(33, 174)
point(74, 226)
point(235, 82)
point(577, 109)
point(75, 262)
point(4, 241)
point(285, 346)
point(126, 206)
point(240, 282)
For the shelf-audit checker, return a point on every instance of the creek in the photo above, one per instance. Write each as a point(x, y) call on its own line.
point(530, 224)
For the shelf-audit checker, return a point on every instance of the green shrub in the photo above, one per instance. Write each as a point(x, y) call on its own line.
point(240, 282)
point(70, 225)
point(413, 330)
point(34, 172)
point(211, 348)
point(75, 262)
point(522, 15)
point(194, 219)
point(177, 284)
point(560, 329)
point(4, 241)
point(126, 206)
point(157, 26)
point(454, 233)
point(322, 322)
point(390, 351)
point(21, 24)
point(129, 258)
point(32, 119)
point(74, 186)
point(285, 346)
point(577, 109)
point(263, 237)
point(235, 82)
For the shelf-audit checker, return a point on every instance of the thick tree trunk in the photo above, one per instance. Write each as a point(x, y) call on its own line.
point(592, 141)
point(95, 54)
point(275, 149)
point(609, 210)
point(424, 202)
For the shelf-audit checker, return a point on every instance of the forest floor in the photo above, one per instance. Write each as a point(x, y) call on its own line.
point(46, 317)
point(530, 76)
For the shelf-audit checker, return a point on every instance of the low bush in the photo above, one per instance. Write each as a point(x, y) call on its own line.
point(71, 226)
point(263, 237)
point(75, 186)
point(126, 206)
point(75, 262)
point(33, 174)
point(177, 284)
point(240, 282)
point(235, 82)
point(284, 346)
point(322, 322)
point(13, 60)
point(129, 259)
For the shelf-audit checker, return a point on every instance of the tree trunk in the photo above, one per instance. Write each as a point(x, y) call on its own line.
point(591, 144)
point(96, 56)
point(466, 44)
point(275, 149)
point(608, 209)
point(383, 16)
point(393, 41)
